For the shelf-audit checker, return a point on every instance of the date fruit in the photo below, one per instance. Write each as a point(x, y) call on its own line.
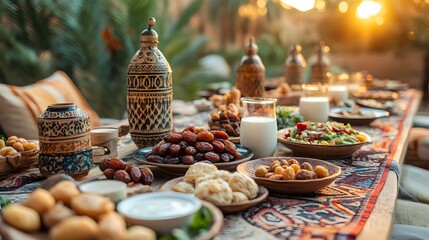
point(122, 175)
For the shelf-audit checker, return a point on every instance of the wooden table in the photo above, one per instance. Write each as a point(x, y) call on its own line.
point(379, 224)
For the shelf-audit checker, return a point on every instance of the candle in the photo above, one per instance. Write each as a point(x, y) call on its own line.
point(337, 94)
point(315, 109)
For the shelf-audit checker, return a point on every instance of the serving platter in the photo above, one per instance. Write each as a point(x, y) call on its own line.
point(321, 151)
point(291, 186)
point(368, 115)
point(180, 169)
point(8, 232)
point(225, 208)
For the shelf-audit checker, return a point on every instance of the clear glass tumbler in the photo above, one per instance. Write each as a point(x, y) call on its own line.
point(314, 103)
point(258, 128)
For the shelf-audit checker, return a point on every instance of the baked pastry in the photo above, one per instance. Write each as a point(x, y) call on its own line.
point(140, 232)
point(40, 200)
point(184, 187)
point(22, 217)
point(244, 184)
point(238, 197)
point(198, 170)
point(58, 213)
point(64, 191)
point(216, 191)
point(112, 226)
point(76, 227)
point(222, 174)
point(91, 205)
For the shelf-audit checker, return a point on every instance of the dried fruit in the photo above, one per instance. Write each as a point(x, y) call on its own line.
point(205, 136)
point(190, 150)
point(183, 145)
point(103, 165)
point(230, 147)
point(212, 157)
point(174, 148)
point(218, 146)
point(226, 157)
point(122, 175)
point(307, 166)
point(204, 146)
point(199, 156)
point(109, 173)
point(173, 138)
point(147, 176)
point(155, 159)
point(189, 136)
point(220, 134)
point(134, 173)
point(172, 160)
point(115, 163)
point(188, 159)
point(164, 149)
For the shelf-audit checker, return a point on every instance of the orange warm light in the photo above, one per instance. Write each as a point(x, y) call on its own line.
point(368, 8)
point(301, 5)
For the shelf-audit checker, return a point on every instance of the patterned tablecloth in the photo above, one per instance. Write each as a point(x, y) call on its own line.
point(338, 211)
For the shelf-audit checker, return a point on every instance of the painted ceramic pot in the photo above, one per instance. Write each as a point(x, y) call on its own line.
point(149, 92)
point(64, 139)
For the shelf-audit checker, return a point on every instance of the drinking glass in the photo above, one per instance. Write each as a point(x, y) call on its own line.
point(258, 128)
point(314, 103)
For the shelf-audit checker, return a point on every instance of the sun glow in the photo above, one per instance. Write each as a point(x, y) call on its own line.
point(368, 8)
point(301, 5)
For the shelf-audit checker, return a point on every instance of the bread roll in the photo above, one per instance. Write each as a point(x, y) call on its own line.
point(22, 217)
point(216, 191)
point(92, 205)
point(40, 200)
point(140, 232)
point(76, 227)
point(64, 191)
point(112, 227)
point(198, 170)
point(242, 183)
point(58, 213)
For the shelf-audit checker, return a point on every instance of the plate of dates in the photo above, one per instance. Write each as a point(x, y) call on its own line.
point(177, 151)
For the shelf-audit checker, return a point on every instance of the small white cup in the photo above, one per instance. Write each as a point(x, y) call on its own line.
point(113, 189)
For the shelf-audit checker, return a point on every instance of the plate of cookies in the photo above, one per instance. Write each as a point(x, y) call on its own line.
point(289, 175)
point(230, 192)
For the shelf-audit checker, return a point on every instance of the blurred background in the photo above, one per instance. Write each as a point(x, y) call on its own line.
point(203, 40)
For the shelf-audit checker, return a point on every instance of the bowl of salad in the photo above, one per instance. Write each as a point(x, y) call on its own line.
point(329, 140)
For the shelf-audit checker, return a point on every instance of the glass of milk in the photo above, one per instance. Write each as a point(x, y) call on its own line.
point(314, 103)
point(337, 94)
point(258, 128)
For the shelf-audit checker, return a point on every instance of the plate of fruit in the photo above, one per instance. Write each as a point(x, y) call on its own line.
point(329, 140)
point(288, 175)
point(178, 151)
point(226, 118)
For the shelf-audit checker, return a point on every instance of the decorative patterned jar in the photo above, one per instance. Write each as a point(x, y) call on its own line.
point(149, 92)
point(251, 73)
point(64, 139)
point(295, 66)
point(319, 65)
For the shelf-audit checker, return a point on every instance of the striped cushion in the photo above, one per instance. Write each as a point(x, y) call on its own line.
point(21, 106)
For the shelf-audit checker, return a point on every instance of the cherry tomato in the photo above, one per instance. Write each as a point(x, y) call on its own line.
point(301, 126)
point(287, 135)
point(335, 129)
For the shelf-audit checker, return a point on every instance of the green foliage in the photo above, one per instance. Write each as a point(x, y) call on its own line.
point(93, 41)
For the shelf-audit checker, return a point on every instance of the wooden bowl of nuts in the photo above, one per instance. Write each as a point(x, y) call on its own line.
point(289, 175)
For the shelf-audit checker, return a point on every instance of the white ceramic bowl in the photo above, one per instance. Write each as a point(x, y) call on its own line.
point(113, 189)
point(160, 211)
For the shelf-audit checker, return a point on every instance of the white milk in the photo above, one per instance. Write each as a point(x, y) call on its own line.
point(338, 93)
point(315, 109)
point(260, 135)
